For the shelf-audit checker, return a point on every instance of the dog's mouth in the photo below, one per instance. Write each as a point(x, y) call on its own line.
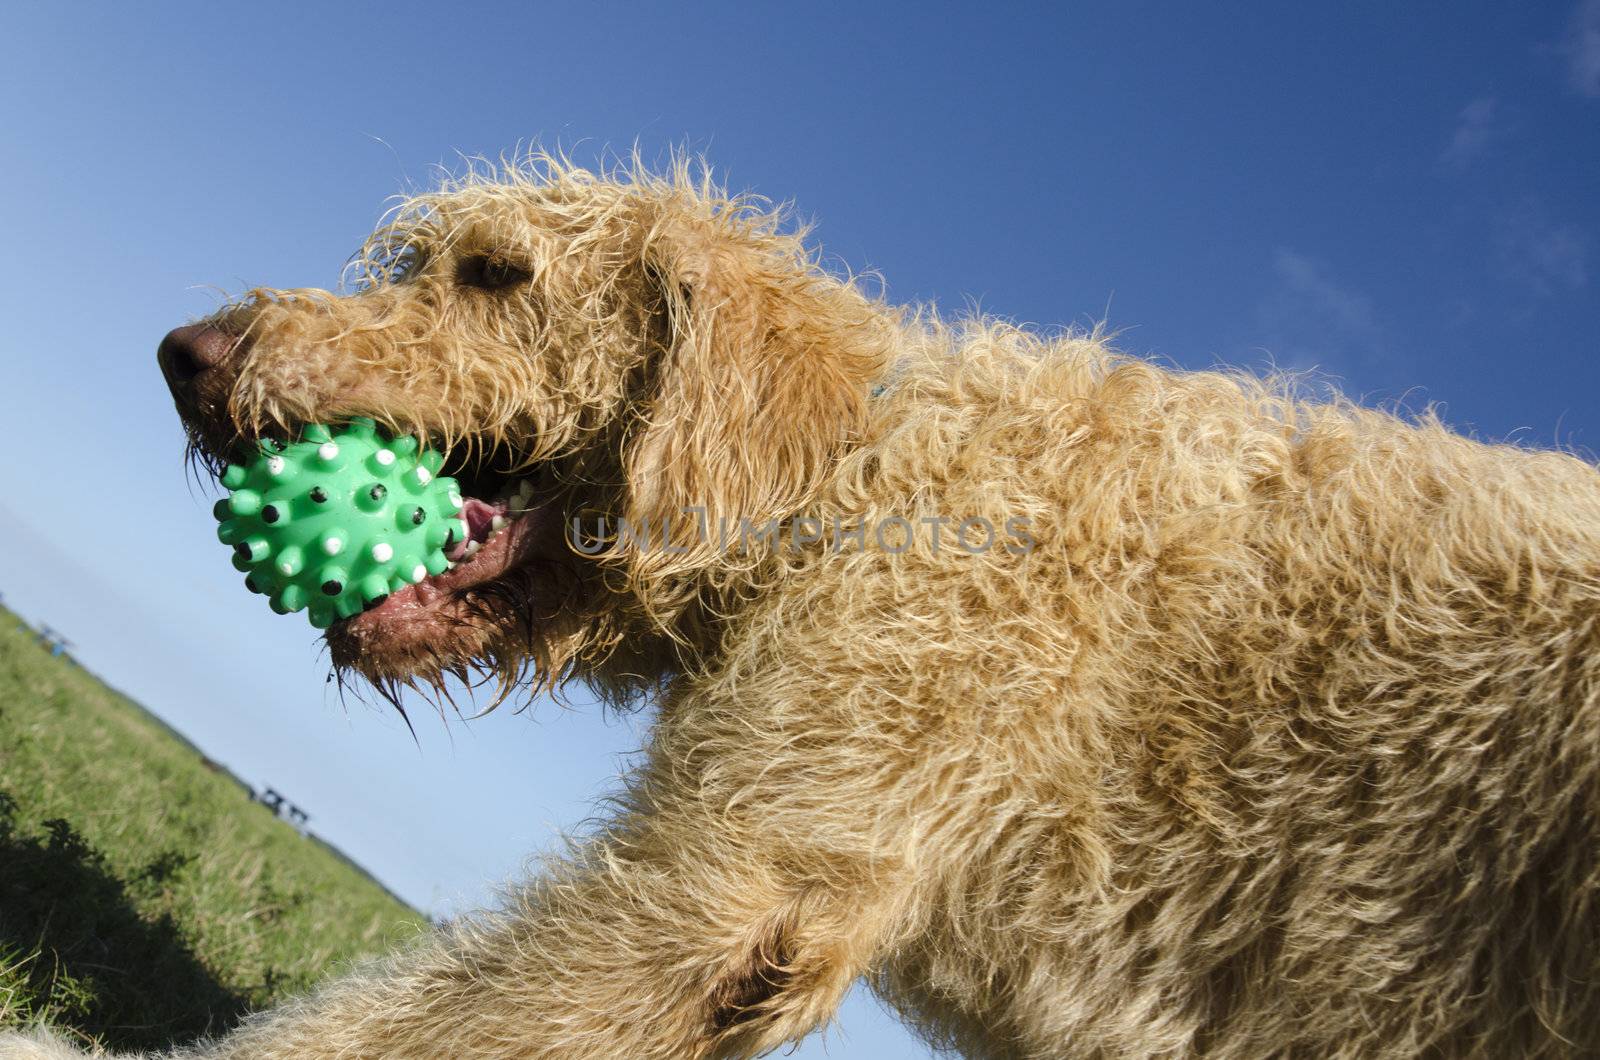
point(500, 581)
point(502, 534)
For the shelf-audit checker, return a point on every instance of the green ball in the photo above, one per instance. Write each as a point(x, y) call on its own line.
point(339, 519)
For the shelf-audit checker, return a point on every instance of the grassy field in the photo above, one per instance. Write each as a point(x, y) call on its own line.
point(144, 898)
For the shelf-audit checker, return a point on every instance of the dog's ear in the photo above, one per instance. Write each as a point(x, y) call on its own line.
point(763, 377)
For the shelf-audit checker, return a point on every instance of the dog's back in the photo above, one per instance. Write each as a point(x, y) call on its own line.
point(1281, 737)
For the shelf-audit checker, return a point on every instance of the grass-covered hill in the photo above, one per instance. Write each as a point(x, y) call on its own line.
point(144, 898)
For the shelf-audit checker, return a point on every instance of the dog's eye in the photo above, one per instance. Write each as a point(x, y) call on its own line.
point(490, 274)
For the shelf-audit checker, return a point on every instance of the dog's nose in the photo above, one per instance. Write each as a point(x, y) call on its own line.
point(187, 352)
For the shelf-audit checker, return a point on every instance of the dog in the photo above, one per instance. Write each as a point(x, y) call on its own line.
point(1085, 707)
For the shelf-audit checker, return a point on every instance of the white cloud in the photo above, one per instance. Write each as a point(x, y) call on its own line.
point(1538, 253)
point(1477, 124)
point(1309, 319)
point(1581, 48)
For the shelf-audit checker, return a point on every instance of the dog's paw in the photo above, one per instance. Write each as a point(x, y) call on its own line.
point(37, 1044)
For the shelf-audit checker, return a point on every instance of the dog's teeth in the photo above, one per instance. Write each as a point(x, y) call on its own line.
point(472, 548)
point(498, 522)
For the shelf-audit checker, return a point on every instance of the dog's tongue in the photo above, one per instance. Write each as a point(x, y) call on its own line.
point(480, 518)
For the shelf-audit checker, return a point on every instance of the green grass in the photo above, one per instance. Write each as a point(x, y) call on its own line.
point(144, 899)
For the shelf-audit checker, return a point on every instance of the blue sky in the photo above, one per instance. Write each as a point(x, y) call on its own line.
point(1403, 196)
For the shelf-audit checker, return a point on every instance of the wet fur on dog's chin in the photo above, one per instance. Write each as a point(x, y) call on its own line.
point(498, 616)
point(37, 1043)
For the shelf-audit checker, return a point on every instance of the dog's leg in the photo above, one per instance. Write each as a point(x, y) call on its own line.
point(702, 923)
point(672, 937)
point(637, 950)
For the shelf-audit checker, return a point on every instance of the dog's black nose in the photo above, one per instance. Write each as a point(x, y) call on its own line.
point(187, 352)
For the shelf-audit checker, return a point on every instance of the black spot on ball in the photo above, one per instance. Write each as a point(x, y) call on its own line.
point(250, 583)
point(332, 588)
point(418, 516)
point(375, 601)
point(242, 550)
point(319, 495)
point(378, 492)
point(269, 514)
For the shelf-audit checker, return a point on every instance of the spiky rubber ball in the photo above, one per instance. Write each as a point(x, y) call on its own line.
point(339, 519)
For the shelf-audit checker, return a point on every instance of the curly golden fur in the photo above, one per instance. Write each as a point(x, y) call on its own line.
point(1280, 737)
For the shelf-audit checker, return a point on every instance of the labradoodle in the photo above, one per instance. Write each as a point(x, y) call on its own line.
point(1082, 706)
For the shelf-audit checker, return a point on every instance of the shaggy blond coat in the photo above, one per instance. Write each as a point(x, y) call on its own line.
point(1279, 735)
